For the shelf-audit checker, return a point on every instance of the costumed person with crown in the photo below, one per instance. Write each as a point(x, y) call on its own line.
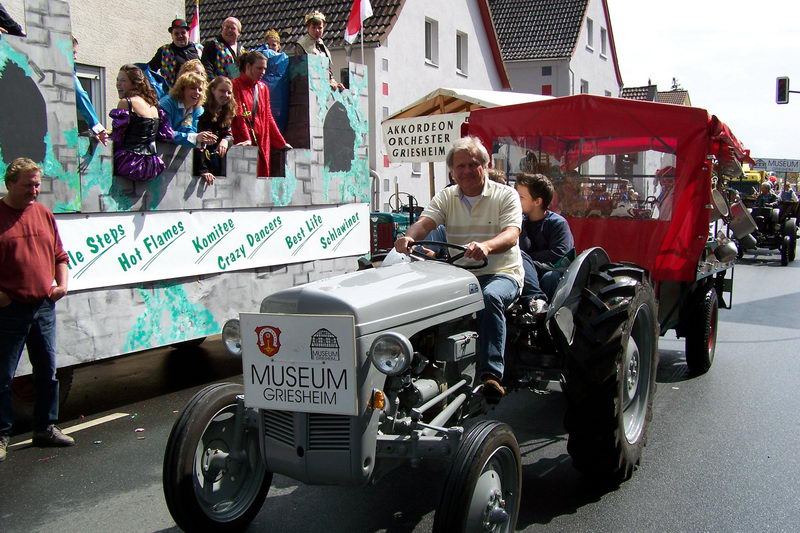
point(311, 43)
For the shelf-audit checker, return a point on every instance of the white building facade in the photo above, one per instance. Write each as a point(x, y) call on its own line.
point(574, 56)
point(429, 46)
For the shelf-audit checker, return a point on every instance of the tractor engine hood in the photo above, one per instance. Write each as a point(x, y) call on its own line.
point(383, 298)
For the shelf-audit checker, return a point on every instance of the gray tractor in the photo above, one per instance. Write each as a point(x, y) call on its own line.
point(351, 377)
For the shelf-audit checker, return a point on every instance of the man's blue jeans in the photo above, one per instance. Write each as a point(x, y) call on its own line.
point(499, 292)
point(33, 324)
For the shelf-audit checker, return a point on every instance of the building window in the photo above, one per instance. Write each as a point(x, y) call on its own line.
point(385, 65)
point(386, 185)
point(547, 90)
point(547, 71)
point(603, 41)
point(462, 54)
point(384, 113)
point(416, 170)
point(93, 81)
point(608, 93)
point(584, 87)
point(431, 41)
point(385, 88)
point(589, 34)
point(385, 161)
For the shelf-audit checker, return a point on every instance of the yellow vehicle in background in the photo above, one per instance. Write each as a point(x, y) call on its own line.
point(747, 184)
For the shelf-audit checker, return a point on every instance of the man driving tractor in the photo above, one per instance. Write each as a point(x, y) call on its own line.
point(485, 217)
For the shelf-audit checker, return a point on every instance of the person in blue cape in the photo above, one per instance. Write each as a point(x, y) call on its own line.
point(277, 77)
point(84, 103)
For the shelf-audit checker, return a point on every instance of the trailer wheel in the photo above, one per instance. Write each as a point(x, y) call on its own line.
point(790, 230)
point(701, 333)
point(483, 487)
point(209, 483)
point(611, 372)
point(784, 249)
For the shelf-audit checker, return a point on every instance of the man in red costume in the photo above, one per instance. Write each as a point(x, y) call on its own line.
point(254, 124)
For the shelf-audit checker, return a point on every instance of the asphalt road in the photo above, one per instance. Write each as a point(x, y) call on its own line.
point(722, 455)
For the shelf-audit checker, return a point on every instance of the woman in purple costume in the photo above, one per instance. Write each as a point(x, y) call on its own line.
point(137, 123)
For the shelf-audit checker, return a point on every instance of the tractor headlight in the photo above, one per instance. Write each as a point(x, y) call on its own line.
point(391, 353)
point(232, 336)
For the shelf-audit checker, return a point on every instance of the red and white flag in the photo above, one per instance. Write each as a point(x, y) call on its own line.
point(361, 10)
point(194, 25)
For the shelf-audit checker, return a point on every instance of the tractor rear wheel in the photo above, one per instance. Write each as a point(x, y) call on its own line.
point(611, 372)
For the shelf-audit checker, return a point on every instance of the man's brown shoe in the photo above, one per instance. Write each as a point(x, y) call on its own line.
point(52, 437)
point(492, 389)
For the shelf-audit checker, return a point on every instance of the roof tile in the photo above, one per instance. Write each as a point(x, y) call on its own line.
point(537, 29)
point(257, 16)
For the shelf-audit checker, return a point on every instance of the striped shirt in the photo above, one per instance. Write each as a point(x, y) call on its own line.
point(497, 208)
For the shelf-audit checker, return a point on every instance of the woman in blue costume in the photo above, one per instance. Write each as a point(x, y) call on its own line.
point(183, 106)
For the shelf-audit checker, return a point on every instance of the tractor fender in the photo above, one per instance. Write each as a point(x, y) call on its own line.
point(568, 293)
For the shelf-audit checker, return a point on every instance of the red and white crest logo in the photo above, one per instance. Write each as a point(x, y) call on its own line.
point(268, 339)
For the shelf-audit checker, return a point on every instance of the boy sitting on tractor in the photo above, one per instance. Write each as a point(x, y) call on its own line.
point(546, 242)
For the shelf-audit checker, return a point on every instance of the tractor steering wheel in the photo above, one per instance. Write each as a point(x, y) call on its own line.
point(449, 259)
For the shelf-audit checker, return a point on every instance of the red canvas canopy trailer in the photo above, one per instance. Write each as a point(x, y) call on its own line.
point(634, 178)
point(572, 132)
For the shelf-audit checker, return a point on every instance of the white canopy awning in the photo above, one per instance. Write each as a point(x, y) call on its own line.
point(445, 100)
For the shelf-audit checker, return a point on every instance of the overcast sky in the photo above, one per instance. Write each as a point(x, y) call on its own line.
point(727, 54)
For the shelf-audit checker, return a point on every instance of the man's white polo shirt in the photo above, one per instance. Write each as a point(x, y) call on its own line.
point(497, 208)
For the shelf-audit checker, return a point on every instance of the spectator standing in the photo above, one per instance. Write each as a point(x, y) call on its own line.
point(84, 103)
point(9, 25)
point(311, 43)
point(545, 240)
point(788, 194)
point(220, 108)
point(183, 107)
point(136, 124)
point(220, 54)
point(254, 124)
point(477, 202)
point(169, 58)
point(31, 258)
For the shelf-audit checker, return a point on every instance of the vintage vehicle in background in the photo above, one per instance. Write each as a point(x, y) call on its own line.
point(348, 378)
point(776, 232)
point(386, 227)
point(747, 183)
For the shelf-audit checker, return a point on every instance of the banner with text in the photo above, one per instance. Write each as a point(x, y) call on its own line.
point(421, 139)
point(106, 250)
point(777, 165)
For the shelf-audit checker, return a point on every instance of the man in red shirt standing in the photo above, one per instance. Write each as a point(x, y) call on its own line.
point(31, 257)
point(253, 123)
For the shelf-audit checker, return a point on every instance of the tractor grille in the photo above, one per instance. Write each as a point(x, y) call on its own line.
point(328, 432)
point(279, 425)
point(325, 432)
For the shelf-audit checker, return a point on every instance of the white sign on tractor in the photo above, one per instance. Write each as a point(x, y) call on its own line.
point(304, 363)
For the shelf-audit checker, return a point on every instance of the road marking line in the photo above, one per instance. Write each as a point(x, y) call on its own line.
point(84, 425)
